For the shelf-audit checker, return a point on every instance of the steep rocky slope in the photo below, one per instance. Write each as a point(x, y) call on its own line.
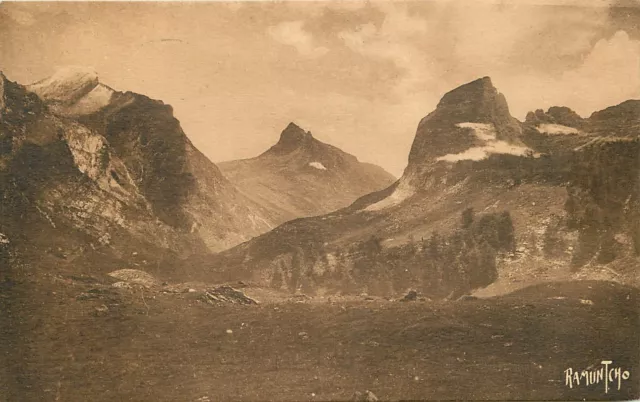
point(301, 176)
point(474, 205)
point(184, 189)
point(106, 182)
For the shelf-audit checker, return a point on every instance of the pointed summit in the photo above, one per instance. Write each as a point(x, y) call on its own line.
point(303, 176)
point(293, 133)
point(291, 138)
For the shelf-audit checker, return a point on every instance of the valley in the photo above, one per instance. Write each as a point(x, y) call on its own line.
point(132, 267)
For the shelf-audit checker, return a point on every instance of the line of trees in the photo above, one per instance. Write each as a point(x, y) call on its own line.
point(466, 259)
point(440, 264)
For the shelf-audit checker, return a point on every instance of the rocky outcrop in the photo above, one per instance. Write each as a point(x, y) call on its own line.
point(227, 295)
point(555, 115)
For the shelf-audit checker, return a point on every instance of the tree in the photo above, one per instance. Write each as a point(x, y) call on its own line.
point(506, 232)
point(487, 271)
point(467, 218)
point(434, 246)
point(276, 278)
point(486, 228)
point(552, 244)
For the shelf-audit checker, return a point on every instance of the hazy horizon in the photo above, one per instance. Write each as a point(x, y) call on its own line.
point(358, 75)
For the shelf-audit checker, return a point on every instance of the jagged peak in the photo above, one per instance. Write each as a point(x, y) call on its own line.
point(291, 138)
point(293, 132)
point(472, 117)
point(555, 115)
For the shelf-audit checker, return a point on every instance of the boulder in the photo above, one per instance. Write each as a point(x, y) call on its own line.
point(135, 276)
point(412, 295)
point(227, 294)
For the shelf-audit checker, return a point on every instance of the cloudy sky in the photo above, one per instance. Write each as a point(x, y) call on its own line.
point(357, 75)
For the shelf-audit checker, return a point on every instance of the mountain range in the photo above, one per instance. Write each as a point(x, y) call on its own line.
point(93, 179)
point(91, 173)
point(484, 200)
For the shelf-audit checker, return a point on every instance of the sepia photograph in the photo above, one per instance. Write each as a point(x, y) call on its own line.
point(339, 200)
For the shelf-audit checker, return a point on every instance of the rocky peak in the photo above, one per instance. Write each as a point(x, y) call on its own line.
point(293, 137)
point(471, 95)
point(476, 102)
point(453, 126)
point(555, 115)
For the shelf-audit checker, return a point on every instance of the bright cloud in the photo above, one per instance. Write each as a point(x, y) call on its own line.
point(609, 74)
point(393, 41)
point(292, 33)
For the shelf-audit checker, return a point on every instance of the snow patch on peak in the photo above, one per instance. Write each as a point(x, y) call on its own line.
point(487, 134)
point(556, 129)
point(67, 84)
point(74, 74)
point(317, 165)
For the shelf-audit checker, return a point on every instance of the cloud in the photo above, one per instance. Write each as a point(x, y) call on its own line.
point(292, 33)
point(537, 56)
point(608, 75)
point(393, 41)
